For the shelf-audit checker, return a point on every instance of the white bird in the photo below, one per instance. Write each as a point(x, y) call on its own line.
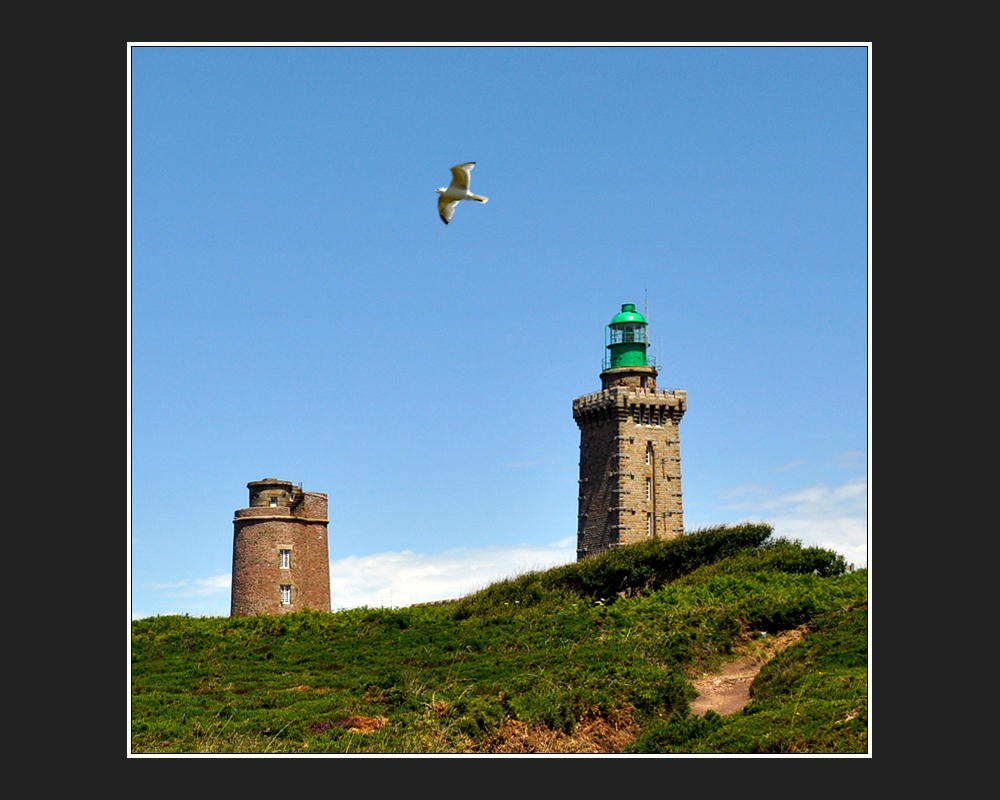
point(459, 190)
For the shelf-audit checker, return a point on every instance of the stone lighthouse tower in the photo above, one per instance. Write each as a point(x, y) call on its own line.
point(630, 453)
point(281, 561)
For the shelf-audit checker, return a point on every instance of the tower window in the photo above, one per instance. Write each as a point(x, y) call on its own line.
point(649, 524)
point(274, 502)
point(649, 488)
point(285, 559)
point(286, 594)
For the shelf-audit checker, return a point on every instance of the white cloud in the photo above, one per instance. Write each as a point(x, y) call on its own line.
point(834, 517)
point(198, 587)
point(745, 491)
point(386, 579)
point(405, 578)
point(196, 596)
point(852, 459)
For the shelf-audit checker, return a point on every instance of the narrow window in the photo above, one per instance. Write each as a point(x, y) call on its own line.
point(286, 594)
point(649, 452)
point(285, 559)
point(649, 488)
point(649, 524)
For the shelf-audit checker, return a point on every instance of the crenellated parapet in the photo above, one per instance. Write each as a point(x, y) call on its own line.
point(654, 404)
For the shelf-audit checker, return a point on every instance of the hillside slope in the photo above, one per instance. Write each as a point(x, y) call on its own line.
point(590, 657)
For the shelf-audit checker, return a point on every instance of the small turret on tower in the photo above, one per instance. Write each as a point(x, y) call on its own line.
point(270, 493)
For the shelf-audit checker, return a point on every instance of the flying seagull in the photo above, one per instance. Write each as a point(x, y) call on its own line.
point(459, 190)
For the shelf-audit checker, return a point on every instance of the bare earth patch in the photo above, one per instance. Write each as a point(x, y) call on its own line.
point(597, 734)
point(362, 724)
point(728, 691)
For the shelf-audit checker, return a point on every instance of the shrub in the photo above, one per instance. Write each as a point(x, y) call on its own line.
point(648, 565)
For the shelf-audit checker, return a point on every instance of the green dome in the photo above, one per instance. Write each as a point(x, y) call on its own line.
point(626, 339)
point(628, 314)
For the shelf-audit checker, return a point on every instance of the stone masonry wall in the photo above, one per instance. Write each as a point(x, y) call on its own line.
point(630, 472)
point(260, 533)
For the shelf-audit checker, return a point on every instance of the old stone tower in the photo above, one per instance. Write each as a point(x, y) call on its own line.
point(281, 561)
point(630, 452)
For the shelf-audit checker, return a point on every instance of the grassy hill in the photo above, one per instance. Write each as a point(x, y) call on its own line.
point(590, 657)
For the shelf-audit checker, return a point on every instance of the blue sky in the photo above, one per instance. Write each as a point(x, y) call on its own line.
point(298, 310)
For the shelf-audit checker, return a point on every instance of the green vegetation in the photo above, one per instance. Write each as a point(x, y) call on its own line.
point(590, 657)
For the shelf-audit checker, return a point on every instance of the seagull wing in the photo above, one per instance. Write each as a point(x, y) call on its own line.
point(461, 175)
point(446, 208)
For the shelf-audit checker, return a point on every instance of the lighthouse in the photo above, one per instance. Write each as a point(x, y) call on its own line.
point(630, 451)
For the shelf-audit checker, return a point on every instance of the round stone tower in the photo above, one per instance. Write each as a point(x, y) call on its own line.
point(630, 453)
point(281, 561)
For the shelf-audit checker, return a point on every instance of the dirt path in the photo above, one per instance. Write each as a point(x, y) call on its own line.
point(728, 691)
